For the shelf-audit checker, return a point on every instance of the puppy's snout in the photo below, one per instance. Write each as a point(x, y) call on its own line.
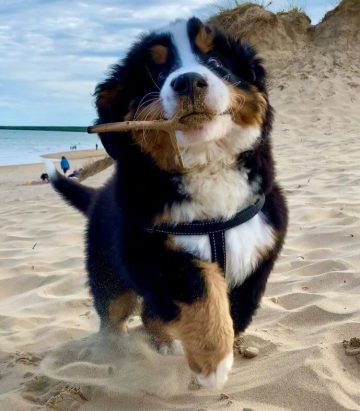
point(189, 84)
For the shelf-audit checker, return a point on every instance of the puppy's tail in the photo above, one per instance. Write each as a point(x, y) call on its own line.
point(75, 194)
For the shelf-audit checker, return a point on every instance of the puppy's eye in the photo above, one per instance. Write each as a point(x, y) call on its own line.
point(161, 76)
point(213, 61)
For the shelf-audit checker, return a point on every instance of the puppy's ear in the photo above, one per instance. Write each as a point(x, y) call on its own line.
point(112, 104)
point(257, 72)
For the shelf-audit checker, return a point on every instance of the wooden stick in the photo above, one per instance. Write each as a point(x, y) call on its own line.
point(169, 126)
point(165, 125)
point(176, 148)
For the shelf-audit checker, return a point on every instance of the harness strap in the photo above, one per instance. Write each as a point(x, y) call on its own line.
point(218, 248)
point(214, 228)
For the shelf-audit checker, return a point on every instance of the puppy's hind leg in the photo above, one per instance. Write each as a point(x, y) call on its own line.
point(119, 310)
point(114, 301)
point(158, 334)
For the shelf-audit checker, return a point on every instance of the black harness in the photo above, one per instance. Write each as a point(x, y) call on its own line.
point(214, 228)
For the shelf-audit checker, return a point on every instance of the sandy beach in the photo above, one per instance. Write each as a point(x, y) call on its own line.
point(29, 174)
point(311, 304)
point(77, 154)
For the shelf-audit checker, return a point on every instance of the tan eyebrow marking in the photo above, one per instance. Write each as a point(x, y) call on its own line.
point(159, 53)
point(204, 39)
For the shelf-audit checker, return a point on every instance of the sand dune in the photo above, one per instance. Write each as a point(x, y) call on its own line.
point(49, 352)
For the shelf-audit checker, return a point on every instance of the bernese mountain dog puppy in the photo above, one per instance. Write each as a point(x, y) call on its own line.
point(199, 286)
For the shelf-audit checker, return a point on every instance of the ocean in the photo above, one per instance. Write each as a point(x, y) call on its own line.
point(27, 146)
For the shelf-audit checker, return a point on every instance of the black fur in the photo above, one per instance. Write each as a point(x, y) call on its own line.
point(245, 299)
point(121, 256)
point(79, 196)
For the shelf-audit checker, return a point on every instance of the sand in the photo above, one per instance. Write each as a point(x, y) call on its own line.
point(310, 307)
point(77, 154)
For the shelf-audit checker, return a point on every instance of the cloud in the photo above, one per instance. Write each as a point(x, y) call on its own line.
point(53, 53)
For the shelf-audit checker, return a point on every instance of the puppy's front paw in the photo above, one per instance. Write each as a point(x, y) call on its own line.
point(218, 377)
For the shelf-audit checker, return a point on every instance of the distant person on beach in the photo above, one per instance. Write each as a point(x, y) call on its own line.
point(76, 173)
point(44, 177)
point(64, 164)
point(96, 145)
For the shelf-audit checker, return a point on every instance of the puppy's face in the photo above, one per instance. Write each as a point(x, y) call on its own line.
point(215, 84)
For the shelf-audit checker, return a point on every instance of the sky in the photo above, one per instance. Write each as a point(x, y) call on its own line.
point(54, 52)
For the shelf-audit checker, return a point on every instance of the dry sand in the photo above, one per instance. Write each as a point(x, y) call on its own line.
point(77, 154)
point(311, 304)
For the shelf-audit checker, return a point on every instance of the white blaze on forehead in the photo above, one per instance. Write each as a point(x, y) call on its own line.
point(181, 42)
point(217, 96)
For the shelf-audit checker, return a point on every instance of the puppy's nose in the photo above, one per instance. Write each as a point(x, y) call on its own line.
point(188, 83)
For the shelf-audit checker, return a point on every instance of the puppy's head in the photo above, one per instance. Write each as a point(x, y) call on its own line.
point(214, 83)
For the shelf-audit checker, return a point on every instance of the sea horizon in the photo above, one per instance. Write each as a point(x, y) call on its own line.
point(82, 129)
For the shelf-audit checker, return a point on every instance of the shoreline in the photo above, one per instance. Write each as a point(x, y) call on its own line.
point(76, 154)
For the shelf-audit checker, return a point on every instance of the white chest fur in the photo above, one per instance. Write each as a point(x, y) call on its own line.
point(219, 192)
point(245, 245)
point(215, 192)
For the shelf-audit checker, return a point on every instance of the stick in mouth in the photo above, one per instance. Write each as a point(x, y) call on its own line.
point(169, 126)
